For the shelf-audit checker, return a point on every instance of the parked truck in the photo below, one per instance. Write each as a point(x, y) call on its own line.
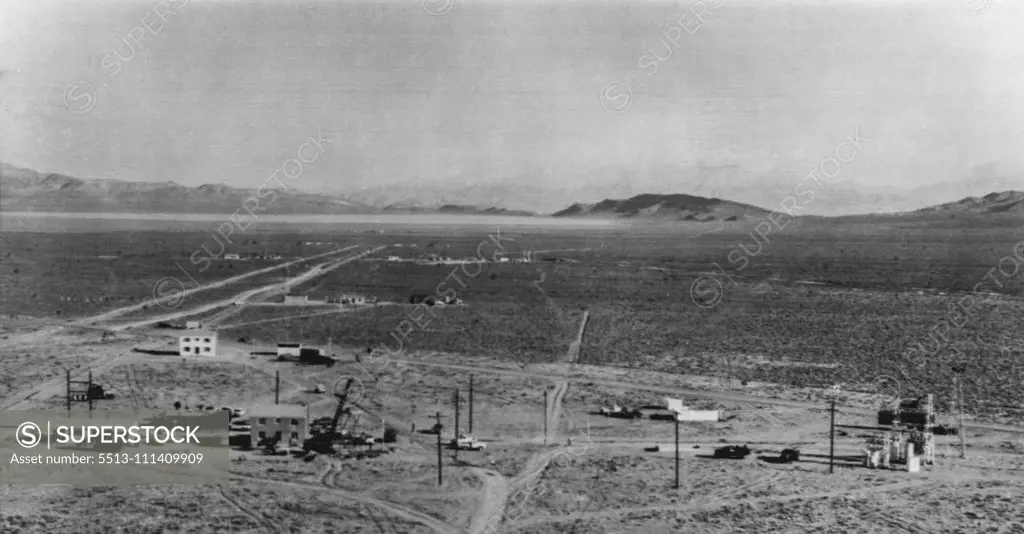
point(466, 442)
point(621, 413)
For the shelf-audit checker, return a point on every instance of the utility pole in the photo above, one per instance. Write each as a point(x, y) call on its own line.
point(677, 450)
point(439, 480)
point(959, 377)
point(545, 417)
point(470, 404)
point(456, 425)
point(277, 387)
point(79, 395)
point(832, 438)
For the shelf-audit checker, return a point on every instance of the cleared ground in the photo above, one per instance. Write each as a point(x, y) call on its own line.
point(763, 356)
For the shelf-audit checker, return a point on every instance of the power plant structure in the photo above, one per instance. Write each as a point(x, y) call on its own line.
point(910, 437)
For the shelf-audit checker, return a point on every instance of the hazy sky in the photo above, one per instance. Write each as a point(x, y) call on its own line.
point(228, 90)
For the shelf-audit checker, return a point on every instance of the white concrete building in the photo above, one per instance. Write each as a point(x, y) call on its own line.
point(289, 349)
point(698, 415)
point(288, 422)
point(198, 343)
point(684, 413)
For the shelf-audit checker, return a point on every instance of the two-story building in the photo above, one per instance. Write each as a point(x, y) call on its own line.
point(198, 343)
point(289, 423)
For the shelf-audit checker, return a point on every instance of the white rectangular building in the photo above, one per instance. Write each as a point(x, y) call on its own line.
point(684, 413)
point(289, 423)
point(698, 415)
point(198, 343)
point(289, 349)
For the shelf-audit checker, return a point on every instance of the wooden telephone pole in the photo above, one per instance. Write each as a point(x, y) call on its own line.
point(677, 450)
point(456, 398)
point(832, 438)
point(958, 375)
point(545, 417)
point(439, 427)
point(832, 430)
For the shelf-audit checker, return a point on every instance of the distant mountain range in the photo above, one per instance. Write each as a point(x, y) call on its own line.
point(671, 207)
point(544, 193)
point(1005, 202)
point(27, 190)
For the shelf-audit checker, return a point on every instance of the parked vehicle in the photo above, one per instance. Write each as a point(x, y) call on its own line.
point(620, 412)
point(466, 442)
point(789, 456)
point(733, 451)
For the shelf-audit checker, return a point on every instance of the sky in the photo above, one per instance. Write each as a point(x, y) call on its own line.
point(491, 92)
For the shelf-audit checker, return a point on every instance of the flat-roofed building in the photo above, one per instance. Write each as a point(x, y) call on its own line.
point(289, 423)
point(198, 343)
point(289, 349)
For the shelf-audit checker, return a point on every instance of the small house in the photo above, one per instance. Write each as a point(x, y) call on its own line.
point(198, 343)
point(295, 299)
point(232, 256)
point(287, 423)
point(193, 325)
point(394, 258)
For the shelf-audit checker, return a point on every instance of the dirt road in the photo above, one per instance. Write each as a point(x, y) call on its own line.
point(554, 409)
point(400, 511)
point(490, 518)
point(221, 283)
point(495, 492)
point(724, 397)
point(239, 299)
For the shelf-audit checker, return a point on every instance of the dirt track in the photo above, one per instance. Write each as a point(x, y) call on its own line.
point(239, 299)
point(400, 511)
point(724, 397)
point(228, 281)
point(495, 493)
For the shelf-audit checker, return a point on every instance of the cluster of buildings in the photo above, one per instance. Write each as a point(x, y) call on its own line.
point(910, 438)
point(442, 259)
point(433, 300)
point(251, 256)
point(296, 298)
